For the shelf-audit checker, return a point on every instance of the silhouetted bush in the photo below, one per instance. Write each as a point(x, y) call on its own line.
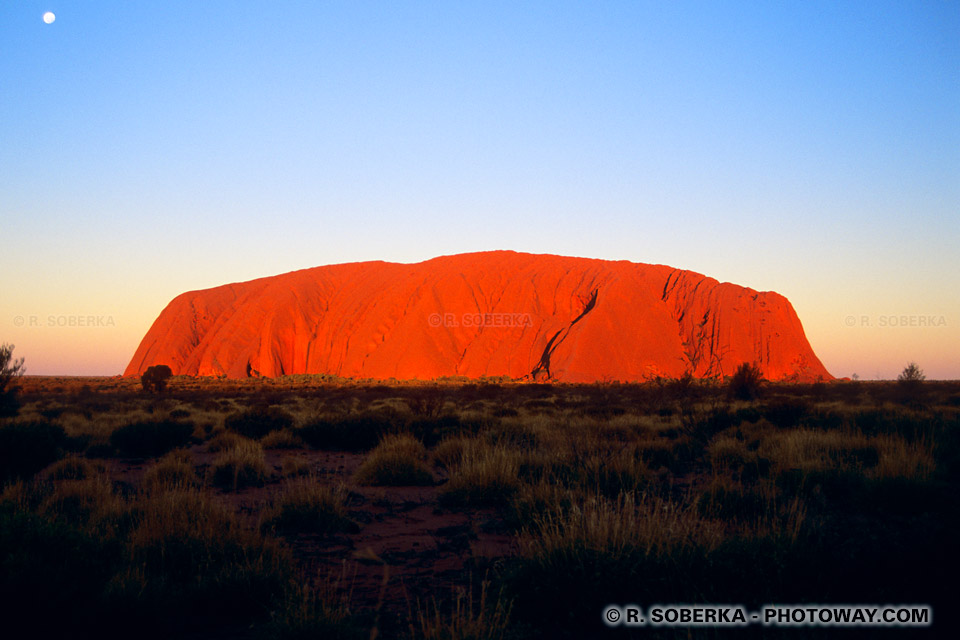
point(745, 383)
point(28, 447)
point(359, 432)
point(258, 421)
point(10, 370)
point(151, 438)
point(910, 387)
point(155, 378)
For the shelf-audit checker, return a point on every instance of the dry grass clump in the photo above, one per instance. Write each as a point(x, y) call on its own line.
point(397, 461)
point(282, 439)
point(485, 475)
point(880, 456)
point(84, 502)
point(304, 505)
point(319, 610)
point(465, 618)
point(73, 468)
point(225, 440)
point(173, 471)
point(619, 528)
point(752, 511)
point(448, 454)
point(242, 465)
point(189, 554)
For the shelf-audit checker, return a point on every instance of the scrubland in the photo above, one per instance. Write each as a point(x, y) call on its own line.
point(311, 507)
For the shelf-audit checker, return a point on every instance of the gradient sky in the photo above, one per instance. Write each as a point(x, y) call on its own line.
point(151, 148)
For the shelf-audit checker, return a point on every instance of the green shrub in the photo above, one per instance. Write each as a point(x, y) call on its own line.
point(28, 447)
point(151, 438)
point(258, 421)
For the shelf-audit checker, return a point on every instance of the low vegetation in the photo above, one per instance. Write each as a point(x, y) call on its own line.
point(10, 371)
point(399, 460)
point(306, 506)
point(151, 438)
point(245, 506)
point(241, 465)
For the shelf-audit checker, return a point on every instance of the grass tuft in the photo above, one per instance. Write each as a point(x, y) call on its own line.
point(397, 461)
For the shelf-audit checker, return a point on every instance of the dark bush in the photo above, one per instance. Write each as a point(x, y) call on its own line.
point(745, 383)
point(431, 430)
point(910, 386)
point(52, 575)
point(28, 447)
point(151, 438)
point(749, 414)
point(703, 428)
point(155, 378)
point(10, 370)
point(786, 412)
point(258, 421)
point(359, 432)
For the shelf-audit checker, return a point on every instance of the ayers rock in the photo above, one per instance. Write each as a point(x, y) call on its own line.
point(497, 313)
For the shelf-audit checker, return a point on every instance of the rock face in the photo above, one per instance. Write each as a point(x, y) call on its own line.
point(497, 313)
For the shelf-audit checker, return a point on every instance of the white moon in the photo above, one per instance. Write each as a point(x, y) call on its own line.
point(48, 17)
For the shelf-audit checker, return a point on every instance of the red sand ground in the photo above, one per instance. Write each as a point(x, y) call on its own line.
point(496, 313)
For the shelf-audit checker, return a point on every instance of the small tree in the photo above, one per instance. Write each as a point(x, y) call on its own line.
point(745, 383)
point(155, 378)
point(912, 375)
point(10, 371)
point(910, 386)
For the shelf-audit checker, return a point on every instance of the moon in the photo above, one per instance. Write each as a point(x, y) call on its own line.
point(48, 17)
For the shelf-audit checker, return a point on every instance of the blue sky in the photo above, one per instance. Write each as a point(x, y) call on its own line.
point(809, 148)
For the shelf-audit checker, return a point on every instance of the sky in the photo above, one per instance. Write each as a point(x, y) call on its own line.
point(809, 148)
